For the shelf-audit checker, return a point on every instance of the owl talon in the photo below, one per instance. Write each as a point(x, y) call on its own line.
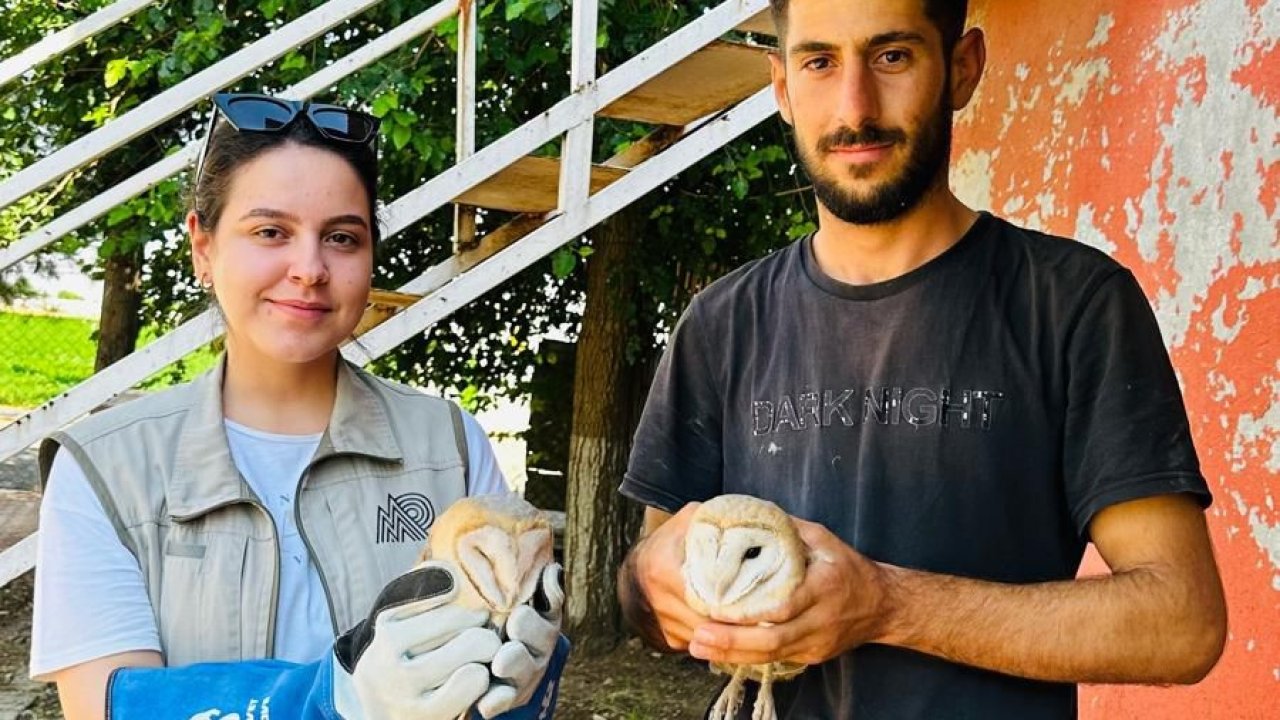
point(764, 708)
point(719, 710)
point(735, 703)
point(730, 700)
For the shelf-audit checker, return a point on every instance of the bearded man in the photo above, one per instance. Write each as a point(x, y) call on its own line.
point(950, 406)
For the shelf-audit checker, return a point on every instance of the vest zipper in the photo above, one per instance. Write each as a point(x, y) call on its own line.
point(302, 533)
point(275, 557)
point(275, 579)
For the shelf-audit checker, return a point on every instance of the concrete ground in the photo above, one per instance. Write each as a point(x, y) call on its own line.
point(19, 501)
point(19, 471)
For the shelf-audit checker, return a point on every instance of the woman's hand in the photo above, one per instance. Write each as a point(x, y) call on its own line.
point(418, 656)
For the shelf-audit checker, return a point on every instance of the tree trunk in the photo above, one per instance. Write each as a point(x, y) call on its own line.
point(608, 392)
point(121, 317)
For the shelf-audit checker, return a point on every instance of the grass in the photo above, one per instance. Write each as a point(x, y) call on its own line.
point(44, 355)
point(41, 356)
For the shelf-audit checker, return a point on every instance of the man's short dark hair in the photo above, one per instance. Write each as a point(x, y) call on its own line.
point(947, 15)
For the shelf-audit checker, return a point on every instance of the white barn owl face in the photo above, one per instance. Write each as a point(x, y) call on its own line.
point(504, 566)
point(742, 560)
point(500, 543)
point(742, 557)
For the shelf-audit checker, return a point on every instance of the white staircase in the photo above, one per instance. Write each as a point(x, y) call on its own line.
point(697, 90)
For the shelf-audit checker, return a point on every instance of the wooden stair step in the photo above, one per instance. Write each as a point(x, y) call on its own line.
point(391, 298)
point(382, 305)
point(714, 78)
point(761, 24)
point(530, 185)
point(522, 224)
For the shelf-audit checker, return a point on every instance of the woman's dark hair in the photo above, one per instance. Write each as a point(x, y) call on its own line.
point(947, 15)
point(230, 148)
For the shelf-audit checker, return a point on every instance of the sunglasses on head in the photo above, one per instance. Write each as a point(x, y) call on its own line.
point(251, 112)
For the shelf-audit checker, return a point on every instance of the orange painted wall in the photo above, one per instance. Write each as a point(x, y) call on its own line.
point(1151, 129)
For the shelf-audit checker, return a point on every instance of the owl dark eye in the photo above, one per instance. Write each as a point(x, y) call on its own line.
point(752, 553)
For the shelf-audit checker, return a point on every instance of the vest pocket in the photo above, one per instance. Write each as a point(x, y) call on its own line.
point(199, 613)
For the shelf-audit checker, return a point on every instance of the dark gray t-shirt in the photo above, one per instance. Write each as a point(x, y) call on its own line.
point(969, 418)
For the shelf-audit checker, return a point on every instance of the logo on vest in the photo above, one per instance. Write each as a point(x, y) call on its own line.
point(405, 518)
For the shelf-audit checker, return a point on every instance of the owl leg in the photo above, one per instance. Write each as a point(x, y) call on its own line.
point(730, 700)
point(764, 708)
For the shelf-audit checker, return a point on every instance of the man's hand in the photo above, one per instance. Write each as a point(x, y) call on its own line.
point(840, 605)
point(532, 631)
point(1159, 617)
point(657, 564)
point(418, 656)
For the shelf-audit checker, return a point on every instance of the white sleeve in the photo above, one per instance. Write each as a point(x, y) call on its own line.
point(90, 598)
point(484, 477)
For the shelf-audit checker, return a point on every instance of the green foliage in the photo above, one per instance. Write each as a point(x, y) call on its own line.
point(563, 262)
point(735, 206)
point(21, 288)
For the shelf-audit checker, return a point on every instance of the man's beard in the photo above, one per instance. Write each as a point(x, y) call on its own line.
point(929, 154)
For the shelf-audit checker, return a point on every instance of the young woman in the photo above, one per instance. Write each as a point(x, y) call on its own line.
point(265, 508)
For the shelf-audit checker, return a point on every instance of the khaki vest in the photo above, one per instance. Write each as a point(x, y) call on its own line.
point(390, 460)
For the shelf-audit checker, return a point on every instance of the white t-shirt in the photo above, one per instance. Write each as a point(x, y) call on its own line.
point(90, 597)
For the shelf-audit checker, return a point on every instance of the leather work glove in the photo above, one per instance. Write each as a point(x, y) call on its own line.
point(532, 632)
point(418, 656)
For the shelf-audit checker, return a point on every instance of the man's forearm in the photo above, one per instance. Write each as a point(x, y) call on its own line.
point(635, 607)
point(1137, 626)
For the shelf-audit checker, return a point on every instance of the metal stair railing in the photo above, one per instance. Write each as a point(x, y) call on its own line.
point(178, 98)
point(573, 110)
point(453, 285)
point(471, 284)
point(144, 180)
point(69, 37)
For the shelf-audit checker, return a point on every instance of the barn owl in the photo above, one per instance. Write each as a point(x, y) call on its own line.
point(743, 558)
point(500, 543)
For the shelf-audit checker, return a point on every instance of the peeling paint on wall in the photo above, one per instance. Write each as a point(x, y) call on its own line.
point(1151, 130)
point(1258, 438)
point(1268, 537)
point(1102, 33)
point(973, 170)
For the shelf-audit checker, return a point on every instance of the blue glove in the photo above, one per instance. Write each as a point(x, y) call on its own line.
point(441, 649)
point(263, 689)
point(224, 691)
point(418, 655)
